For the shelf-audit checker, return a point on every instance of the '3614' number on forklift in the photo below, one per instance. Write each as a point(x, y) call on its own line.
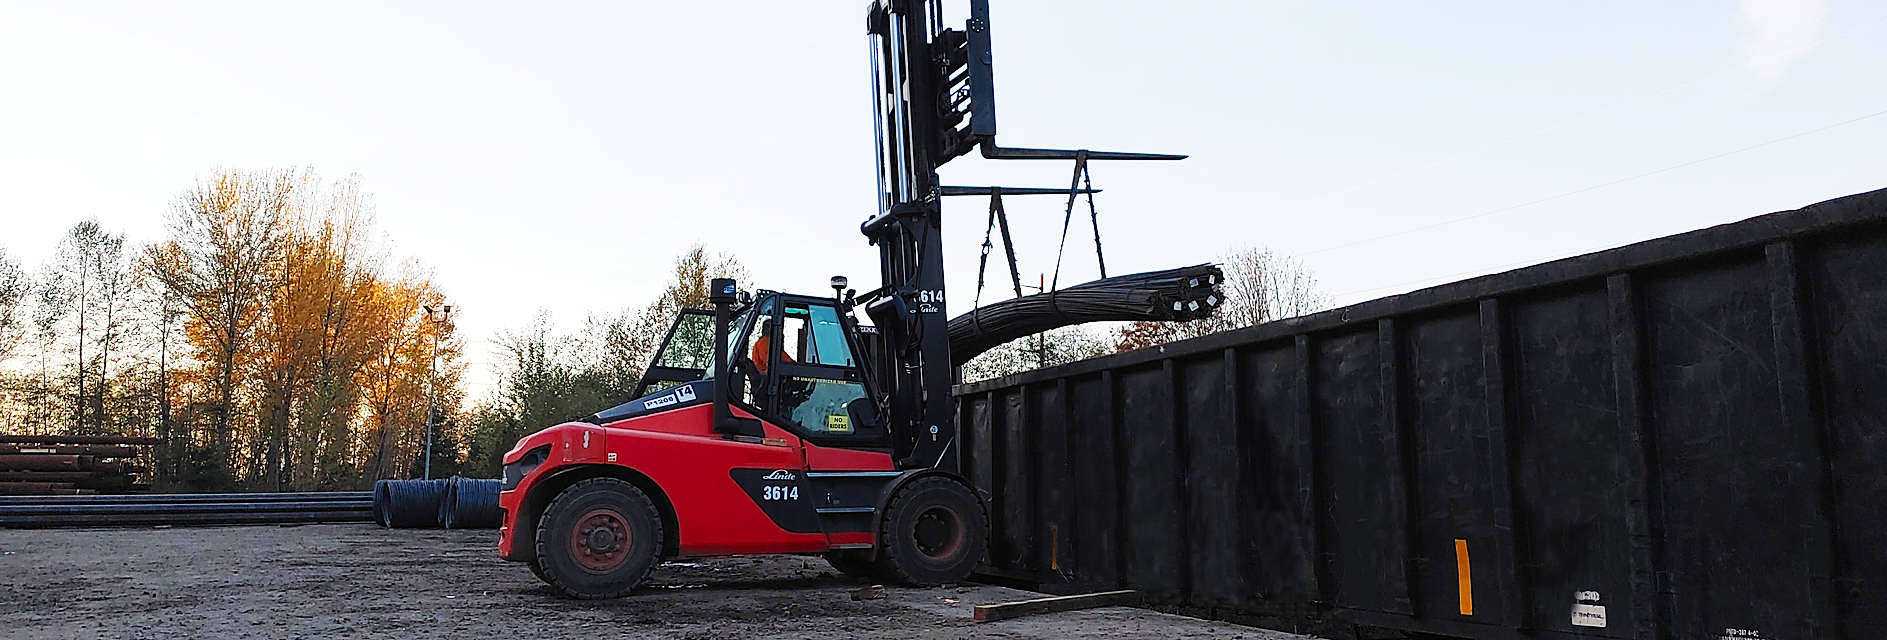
point(779, 493)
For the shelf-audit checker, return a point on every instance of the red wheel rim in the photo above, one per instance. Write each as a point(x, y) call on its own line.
point(600, 542)
point(938, 533)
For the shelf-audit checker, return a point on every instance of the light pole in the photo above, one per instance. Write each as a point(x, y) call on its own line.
point(432, 379)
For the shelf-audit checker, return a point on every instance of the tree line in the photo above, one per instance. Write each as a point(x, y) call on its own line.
point(267, 341)
point(546, 376)
point(270, 343)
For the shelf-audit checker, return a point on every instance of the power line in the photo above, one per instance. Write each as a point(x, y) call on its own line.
point(1602, 185)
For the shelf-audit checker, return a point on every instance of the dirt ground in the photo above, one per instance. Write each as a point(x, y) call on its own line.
point(346, 581)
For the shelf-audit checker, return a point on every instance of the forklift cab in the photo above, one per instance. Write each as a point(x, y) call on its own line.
point(796, 362)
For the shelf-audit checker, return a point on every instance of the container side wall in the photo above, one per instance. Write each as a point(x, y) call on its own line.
point(1013, 545)
point(1568, 459)
point(1847, 283)
point(1054, 482)
point(1359, 471)
point(1281, 544)
point(1153, 545)
point(1098, 471)
point(1216, 522)
point(1731, 474)
point(980, 466)
point(1454, 497)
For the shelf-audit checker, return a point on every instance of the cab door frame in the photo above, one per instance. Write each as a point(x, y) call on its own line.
point(879, 437)
point(657, 373)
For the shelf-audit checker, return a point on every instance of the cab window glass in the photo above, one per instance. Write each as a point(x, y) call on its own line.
point(828, 338)
point(824, 406)
point(793, 336)
point(691, 345)
point(742, 344)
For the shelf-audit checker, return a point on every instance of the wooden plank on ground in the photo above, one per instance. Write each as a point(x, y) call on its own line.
point(1054, 604)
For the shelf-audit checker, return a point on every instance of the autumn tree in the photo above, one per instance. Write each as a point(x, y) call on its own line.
point(397, 373)
point(346, 323)
point(226, 238)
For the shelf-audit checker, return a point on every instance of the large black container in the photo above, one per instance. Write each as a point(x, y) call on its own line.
point(1681, 438)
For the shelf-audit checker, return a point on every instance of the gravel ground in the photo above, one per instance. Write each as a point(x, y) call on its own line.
point(346, 581)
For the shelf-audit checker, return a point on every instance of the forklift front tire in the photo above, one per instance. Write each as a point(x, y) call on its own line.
point(933, 532)
point(599, 538)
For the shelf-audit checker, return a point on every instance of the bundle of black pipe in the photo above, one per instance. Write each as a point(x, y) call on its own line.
point(1186, 293)
point(225, 508)
point(471, 503)
point(181, 498)
point(409, 504)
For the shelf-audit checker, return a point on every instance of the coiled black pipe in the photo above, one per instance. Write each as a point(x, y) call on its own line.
point(408, 504)
point(380, 502)
point(472, 503)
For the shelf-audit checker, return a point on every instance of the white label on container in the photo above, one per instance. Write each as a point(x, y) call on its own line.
point(1588, 615)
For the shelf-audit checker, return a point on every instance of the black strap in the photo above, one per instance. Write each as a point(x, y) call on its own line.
point(1082, 179)
point(998, 217)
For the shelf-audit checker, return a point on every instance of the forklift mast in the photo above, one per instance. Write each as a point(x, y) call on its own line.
point(933, 100)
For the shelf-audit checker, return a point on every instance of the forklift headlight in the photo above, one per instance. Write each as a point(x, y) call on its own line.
point(515, 472)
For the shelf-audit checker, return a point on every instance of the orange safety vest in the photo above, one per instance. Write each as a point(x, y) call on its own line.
point(762, 350)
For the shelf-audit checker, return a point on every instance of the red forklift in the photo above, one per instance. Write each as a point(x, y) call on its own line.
point(778, 423)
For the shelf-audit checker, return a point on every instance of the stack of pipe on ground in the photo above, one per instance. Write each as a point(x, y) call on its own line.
point(453, 503)
point(69, 465)
point(185, 509)
point(1186, 293)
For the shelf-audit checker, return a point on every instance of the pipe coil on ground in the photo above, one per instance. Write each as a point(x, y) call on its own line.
point(408, 504)
point(472, 503)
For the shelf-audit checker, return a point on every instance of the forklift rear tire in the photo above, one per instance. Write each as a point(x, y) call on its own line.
point(855, 563)
point(599, 538)
point(933, 532)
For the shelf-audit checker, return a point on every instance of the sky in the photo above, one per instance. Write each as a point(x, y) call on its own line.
point(558, 157)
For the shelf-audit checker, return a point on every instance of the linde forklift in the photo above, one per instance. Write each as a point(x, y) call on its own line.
point(777, 423)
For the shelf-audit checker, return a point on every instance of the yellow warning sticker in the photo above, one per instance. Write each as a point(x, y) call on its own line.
point(838, 424)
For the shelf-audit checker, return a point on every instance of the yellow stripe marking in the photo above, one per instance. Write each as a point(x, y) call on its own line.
point(1463, 577)
point(1054, 549)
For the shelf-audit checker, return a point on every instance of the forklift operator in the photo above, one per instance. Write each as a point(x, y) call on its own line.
point(763, 347)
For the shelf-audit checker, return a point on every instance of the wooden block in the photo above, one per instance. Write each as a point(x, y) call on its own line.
point(1054, 604)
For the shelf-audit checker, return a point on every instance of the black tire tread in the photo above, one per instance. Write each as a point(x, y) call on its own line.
point(639, 498)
